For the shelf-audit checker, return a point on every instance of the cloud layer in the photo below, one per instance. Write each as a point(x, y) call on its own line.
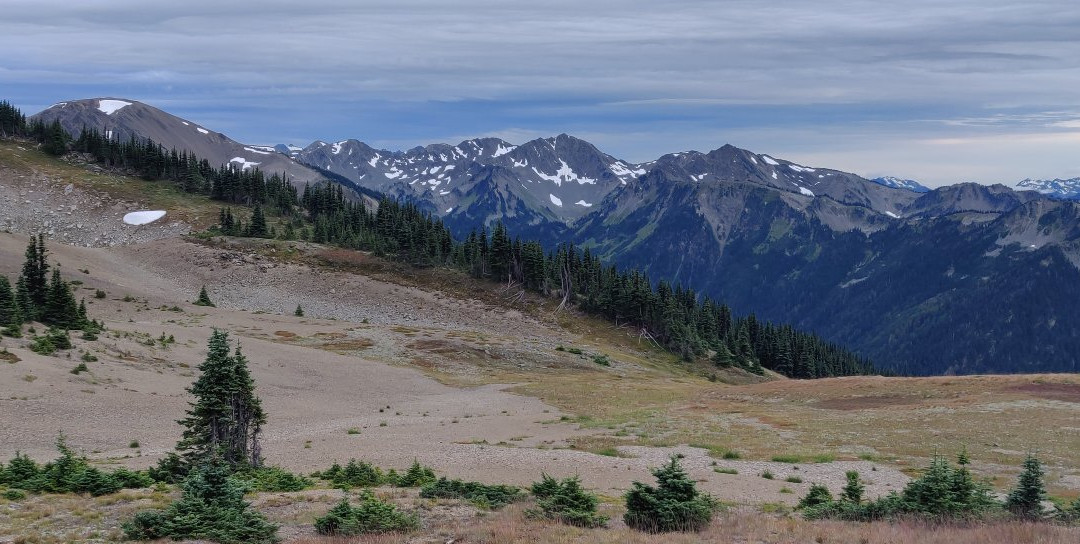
point(922, 88)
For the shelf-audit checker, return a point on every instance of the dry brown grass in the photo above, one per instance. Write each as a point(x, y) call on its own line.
point(512, 526)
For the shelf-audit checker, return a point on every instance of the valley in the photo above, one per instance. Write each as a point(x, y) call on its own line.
point(460, 374)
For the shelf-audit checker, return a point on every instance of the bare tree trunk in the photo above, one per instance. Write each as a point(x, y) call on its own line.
point(567, 285)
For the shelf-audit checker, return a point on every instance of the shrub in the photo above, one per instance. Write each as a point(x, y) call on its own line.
point(416, 476)
point(725, 470)
point(212, 507)
point(601, 360)
point(818, 494)
point(170, 469)
point(567, 502)
point(355, 474)
point(99, 294)
point(371, 515)
point(767, 474)
point(270, 479)
point(485, 496)
point(732, 454)
point(81, 367)
point(674, 505)
point(14, 494)
point(89, 357)
point(42, 345)
point(793, 479)
point(941, 493)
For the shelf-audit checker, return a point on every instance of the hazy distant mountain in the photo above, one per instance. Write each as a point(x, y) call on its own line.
point(1068, 189)
point(122, 119)
point(899, 183)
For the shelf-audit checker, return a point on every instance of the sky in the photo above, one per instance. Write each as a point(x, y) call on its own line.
point(941, 92)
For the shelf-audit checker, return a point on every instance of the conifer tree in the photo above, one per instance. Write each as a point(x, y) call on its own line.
point(212, 507)
point(35, 278)
point(9, 310)
point(226, 417)
point(853, 490)
point(1025, 500)
point(23, 301)
point(257, 228)
point(204, 298)
point(60, 307)
point(674, 505)
point(299, 312)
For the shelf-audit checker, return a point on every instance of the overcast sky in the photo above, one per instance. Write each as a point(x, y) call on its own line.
point(982, 90)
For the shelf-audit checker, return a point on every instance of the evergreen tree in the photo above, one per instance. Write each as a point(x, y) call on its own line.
point(1025, 500)
point(257, 227)
point(204, 298)
point(299, 312)
point(60, 308)
point(24, 303)
point(853, 489)
point(35, 278)
point(226, 417)
point(212, 507)
point(674, 505)
point(9, 309)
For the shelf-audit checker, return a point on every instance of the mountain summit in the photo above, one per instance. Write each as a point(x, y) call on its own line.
point(122, 119)
point(1067, 189)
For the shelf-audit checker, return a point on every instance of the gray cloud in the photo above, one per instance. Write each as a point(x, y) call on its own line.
point(959, 60)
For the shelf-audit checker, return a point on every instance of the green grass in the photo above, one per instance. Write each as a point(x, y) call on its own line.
point(724, 470)
point(787, 458)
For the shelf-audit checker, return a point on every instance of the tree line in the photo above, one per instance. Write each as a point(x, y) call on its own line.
point(674, 317)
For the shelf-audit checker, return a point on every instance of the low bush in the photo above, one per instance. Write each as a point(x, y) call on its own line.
point(941, 493)
point(416, 476)
point(483, 495)
point(370, 515)
point(565, 501)
point(68, 473)
point(272, 479)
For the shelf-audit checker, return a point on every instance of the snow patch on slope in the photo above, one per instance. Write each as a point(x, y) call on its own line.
point(555, 200)
point(243, 163)
point(110, 107)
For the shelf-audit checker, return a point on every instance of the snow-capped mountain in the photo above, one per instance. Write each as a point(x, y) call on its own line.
point(899, 183)
point(1067, 189)
point(560, 178)
point(123, 118)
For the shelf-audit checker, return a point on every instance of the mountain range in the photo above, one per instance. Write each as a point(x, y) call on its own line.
point(966, 278)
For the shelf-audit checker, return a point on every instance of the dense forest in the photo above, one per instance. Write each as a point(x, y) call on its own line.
point(672, 316)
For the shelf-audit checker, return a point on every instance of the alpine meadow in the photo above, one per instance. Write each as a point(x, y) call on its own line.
point(469, 281)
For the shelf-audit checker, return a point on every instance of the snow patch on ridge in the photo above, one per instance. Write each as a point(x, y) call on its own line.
point(565, 173)
point(555, 200)
point(503, 150)
point(110, 107)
